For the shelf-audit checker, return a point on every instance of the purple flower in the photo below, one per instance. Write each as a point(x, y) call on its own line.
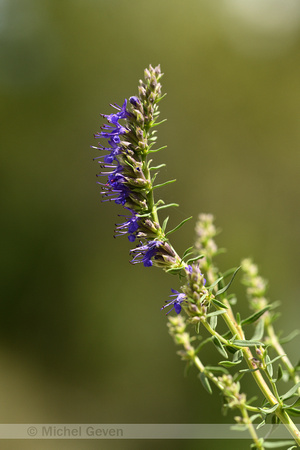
point(123, 168)
point(130, 226)
point(146, 252)
point(115, 189)
point(111, 132)
point(114, 151)
point(122, 114)
point(176, 302)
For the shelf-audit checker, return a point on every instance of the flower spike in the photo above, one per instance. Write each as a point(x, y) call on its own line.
point(130, 138)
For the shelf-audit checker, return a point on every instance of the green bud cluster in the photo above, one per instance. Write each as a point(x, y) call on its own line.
point(177, 329)
point(144, 110)
point(256, 285)
point(231, 392)
point(150, 93)
point(197, 295)
point(205, 245)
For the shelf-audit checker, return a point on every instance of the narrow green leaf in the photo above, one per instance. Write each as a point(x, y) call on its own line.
point(238, 356)
point(158, 149)
point(278, 444)
point(249, 370)
point(205, 382)
point(291, 392)
point(163, 96)
point(251, 400)
point(166, 206)
point(157, 167)
point(269, 410)
point(218, 303)
point(269, 366)
point(245, 343)
point(237, 359)
point(216, 313)
point(254, 317)
point(238, 427)
point(154, 177)
point(293, 411)
point(155, 124)
point(215, 369)
point(178, 226)
point(261, 424)
point(213, 322)
point(221, 291)
point(189, 261)
point(219, 346)
point(288, 338)
point(165, 224)
point(275, 359)
point(259, 331)
point(238, 376)
point(210, 288)
point(228, 272)
point(174, 270)
point(229, 363)
point(295, 403)
point(163, 184)
point(238, 318)
point(187, 252)
point(279, 372)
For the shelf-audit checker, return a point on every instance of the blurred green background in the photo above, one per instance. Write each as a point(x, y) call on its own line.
point(82, 336)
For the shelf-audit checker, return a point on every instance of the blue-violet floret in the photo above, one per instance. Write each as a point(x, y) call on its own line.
point(179, 298)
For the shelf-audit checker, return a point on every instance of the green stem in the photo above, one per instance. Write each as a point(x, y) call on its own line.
point(281, 414)
point(150, 195)
point(278, 348)
point(209, 374)
point(252, 431)
point(242, 407)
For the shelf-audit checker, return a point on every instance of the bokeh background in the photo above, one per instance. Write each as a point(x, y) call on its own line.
point(82, 337)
